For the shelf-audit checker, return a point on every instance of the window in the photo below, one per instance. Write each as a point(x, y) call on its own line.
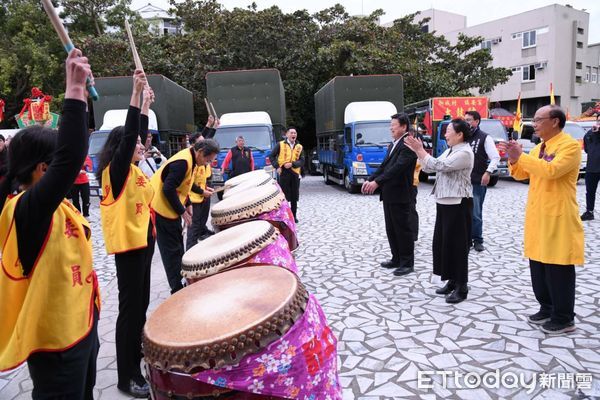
point(528, 73)
point(578, 79)
point(425, 29)
point(486, 44)
point(588, 73)
point(580, 45)
point(595, 75)
point(516, 35)
point(580, 31)
point(529, 39)
point(516, 69)
point(578, 65)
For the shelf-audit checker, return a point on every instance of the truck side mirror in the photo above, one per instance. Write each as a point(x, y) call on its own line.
point(348, 136)
point(535, 139)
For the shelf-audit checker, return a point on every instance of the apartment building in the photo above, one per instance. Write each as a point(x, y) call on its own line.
point(542, 46)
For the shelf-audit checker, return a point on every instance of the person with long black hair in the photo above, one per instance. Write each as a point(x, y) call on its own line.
point(49, 296)
point(128, 234)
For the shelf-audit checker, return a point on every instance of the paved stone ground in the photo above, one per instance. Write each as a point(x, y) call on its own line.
point(390, 328)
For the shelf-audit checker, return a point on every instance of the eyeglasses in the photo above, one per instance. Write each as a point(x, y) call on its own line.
point(538, 120)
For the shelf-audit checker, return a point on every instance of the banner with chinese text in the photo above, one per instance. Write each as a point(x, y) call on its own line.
point(457, 106)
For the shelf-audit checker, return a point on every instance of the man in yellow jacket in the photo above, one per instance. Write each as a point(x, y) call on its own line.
point(553, 229)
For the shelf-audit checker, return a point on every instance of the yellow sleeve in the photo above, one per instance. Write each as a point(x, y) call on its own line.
point(517, 172)
point(568, 158)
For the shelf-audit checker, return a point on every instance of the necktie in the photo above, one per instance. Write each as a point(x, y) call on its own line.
point(542, 150)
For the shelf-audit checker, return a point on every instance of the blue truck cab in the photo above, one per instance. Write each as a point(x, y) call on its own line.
point(355, 155)
point(257, 130)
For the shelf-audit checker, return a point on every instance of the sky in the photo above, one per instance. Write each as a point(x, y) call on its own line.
point(477, 11)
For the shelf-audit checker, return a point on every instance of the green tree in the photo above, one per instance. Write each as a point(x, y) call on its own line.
point(92, 17)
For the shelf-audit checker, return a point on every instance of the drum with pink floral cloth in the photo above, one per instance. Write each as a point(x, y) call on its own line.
point(266, 202)
point(254, 242)
point(246, 333)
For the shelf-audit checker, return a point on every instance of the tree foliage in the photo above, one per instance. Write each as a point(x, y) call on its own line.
point(307, 49)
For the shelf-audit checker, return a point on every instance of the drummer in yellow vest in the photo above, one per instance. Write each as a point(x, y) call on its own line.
point(172, 184)
point(287, 158)
point(49, 296)
point(200, 201)
point(128, 234)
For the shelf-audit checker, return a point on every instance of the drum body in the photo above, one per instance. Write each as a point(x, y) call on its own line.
point(166, 385)
point(249, 243)
point(254, 181)
point(266, 202)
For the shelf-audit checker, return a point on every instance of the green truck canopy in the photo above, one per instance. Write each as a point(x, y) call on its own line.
point(331, 100)
point(174, 107)
point(248, 90)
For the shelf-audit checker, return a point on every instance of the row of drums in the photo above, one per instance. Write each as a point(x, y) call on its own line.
point(244, 327)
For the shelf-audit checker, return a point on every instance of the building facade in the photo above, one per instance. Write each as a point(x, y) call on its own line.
point(159, 20)
point(548, 45)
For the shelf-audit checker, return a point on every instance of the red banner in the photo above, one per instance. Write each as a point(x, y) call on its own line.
point(457, 106)
point(507, 120)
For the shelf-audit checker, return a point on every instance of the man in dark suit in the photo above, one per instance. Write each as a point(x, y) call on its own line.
point(394, 179)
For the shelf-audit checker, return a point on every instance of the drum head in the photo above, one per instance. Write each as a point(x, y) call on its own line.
point(248, 184)
point(227, 248)
point(220, 319)
point(247, 204)
point(248, 175)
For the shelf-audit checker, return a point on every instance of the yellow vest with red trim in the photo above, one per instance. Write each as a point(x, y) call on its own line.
point(125, 219)
point(160, 204)
point(286, 154)
point(52, 308)
point(201, 175)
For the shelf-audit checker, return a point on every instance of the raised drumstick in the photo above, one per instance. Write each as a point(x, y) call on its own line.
point(136, 57)
point(208, 107)
point(213, 110)
point(64, 38)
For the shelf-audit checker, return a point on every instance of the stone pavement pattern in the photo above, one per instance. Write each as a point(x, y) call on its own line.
point(388, 327)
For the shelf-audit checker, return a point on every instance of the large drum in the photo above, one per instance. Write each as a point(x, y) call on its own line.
point(250, 243)
point(265, 202)
point(215, 323)
point(246, 333)
point(243, 177)
point(254, 181)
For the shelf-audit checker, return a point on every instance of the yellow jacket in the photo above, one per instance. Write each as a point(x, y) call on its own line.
point(201, 174)
point(553, 229)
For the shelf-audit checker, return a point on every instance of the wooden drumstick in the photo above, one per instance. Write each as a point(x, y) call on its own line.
point(208, 107)
point(136, 56)
point(219, 189)
point(213, 110)
point(64, 38)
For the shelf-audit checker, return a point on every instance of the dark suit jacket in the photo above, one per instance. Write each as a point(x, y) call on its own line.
point(395, 175)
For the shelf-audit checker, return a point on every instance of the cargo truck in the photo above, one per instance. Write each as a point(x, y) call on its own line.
point(171, 116)
point(250, 103)
point(353, 115)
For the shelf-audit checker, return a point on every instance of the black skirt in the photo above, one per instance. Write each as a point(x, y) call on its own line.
point(452, 239)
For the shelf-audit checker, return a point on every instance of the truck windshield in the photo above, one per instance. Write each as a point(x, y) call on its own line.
point(258, 137)
point(494, 128)
point(374, 133)
point(97, 140)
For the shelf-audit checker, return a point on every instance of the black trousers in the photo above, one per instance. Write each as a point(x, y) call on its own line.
point(414, 215)
point(290, 184)
point(133, 278)
point(399, 233)
point(451, 240)
point(199, 219)
point(83, 190)
point(169, 237)
point(554, 288)
point(591, 186)
point(69, 374)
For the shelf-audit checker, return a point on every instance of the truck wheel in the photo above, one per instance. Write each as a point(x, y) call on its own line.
point(423, 177)
point(349, 186)
point(493, 181)
point(326, 177)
